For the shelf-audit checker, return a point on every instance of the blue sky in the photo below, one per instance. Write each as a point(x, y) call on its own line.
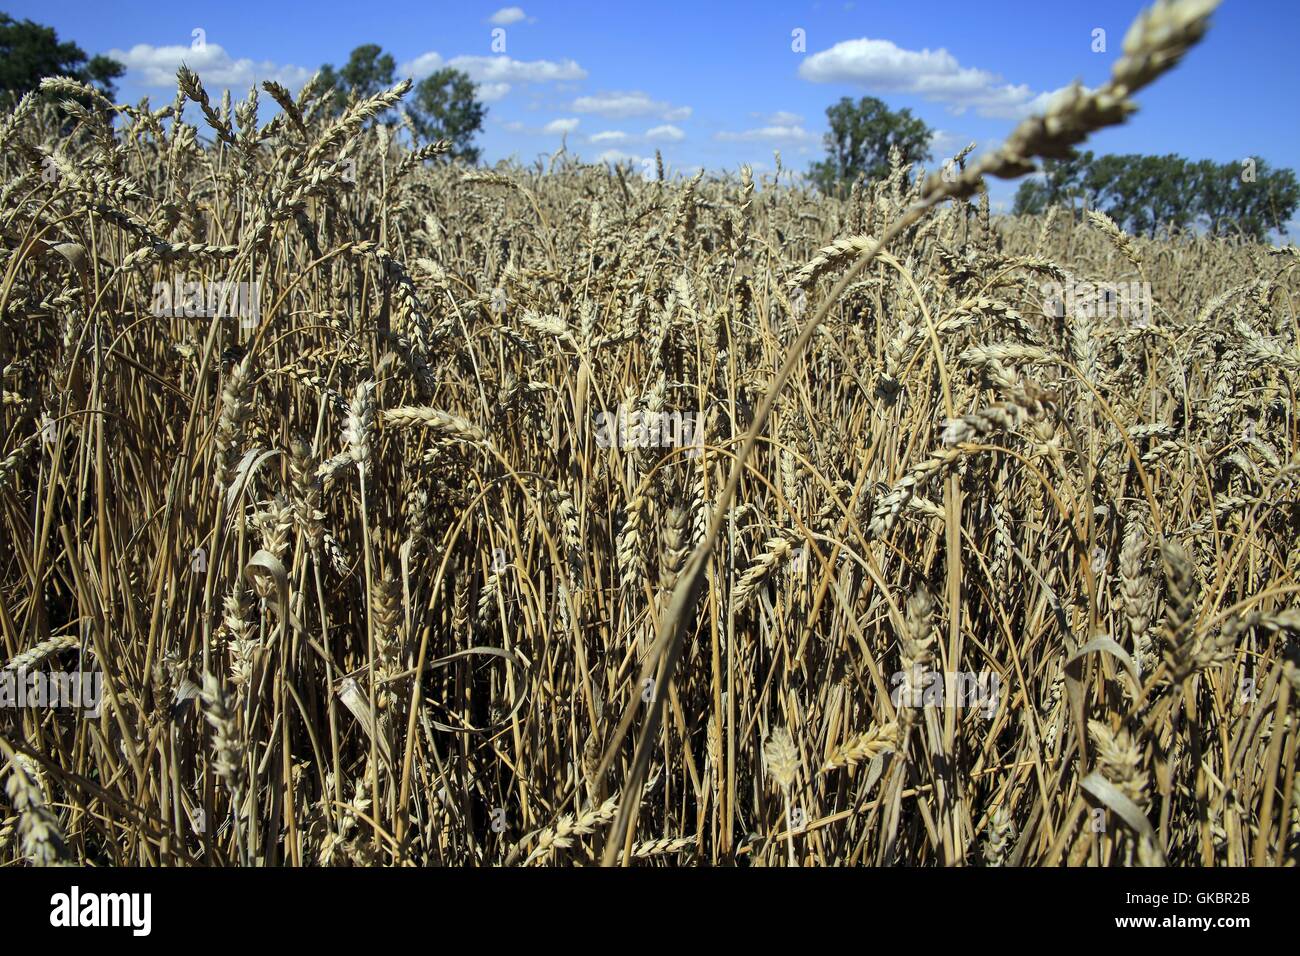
point(718, 83)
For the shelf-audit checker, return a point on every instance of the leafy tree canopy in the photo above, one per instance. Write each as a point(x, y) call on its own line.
point(444, 104)
point(1144, 193)
point(860, 138)
point(445, 108)
point(368, 70)
point(29, 52)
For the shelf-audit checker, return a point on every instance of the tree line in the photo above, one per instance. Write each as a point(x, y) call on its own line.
point(1145, 193)
point(30, 51)
point(1141, 193)
point(444, 104)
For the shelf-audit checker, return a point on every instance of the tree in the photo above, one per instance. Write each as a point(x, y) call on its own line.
point(445, 108)
point(860, 139)
point(1062, 182)
point(1031, 198)
point(29, 52)
point(368, 70)
point(1143, 193)
point(1235, 202)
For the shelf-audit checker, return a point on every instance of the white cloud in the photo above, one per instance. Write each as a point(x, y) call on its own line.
point(882, 66)
point(503, 69)
point(767, 134)
point(559, 126)
point(782, 118)
point(155, 66)
point(944, 143)
point(491, 92)
point(621, 105)
point(497, 69)
point(1040, 102)
point(495, 76)
point(665, 132)
point(508, 15)
point(618, 156)
point(421, 66)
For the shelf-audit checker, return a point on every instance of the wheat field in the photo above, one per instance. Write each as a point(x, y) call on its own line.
point(562, 515)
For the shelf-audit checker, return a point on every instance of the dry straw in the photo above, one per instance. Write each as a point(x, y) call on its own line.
point(438, 622)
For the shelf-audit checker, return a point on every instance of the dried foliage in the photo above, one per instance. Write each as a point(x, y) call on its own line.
point(368, 584)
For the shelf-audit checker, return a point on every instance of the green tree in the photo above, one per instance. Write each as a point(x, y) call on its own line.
point(1031, 198)
point(368, 71)
point(29, 52)
point(445, 107)
point(1144, 193)
point(860, 138)
point(1062, 183)
point(1231, 203)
